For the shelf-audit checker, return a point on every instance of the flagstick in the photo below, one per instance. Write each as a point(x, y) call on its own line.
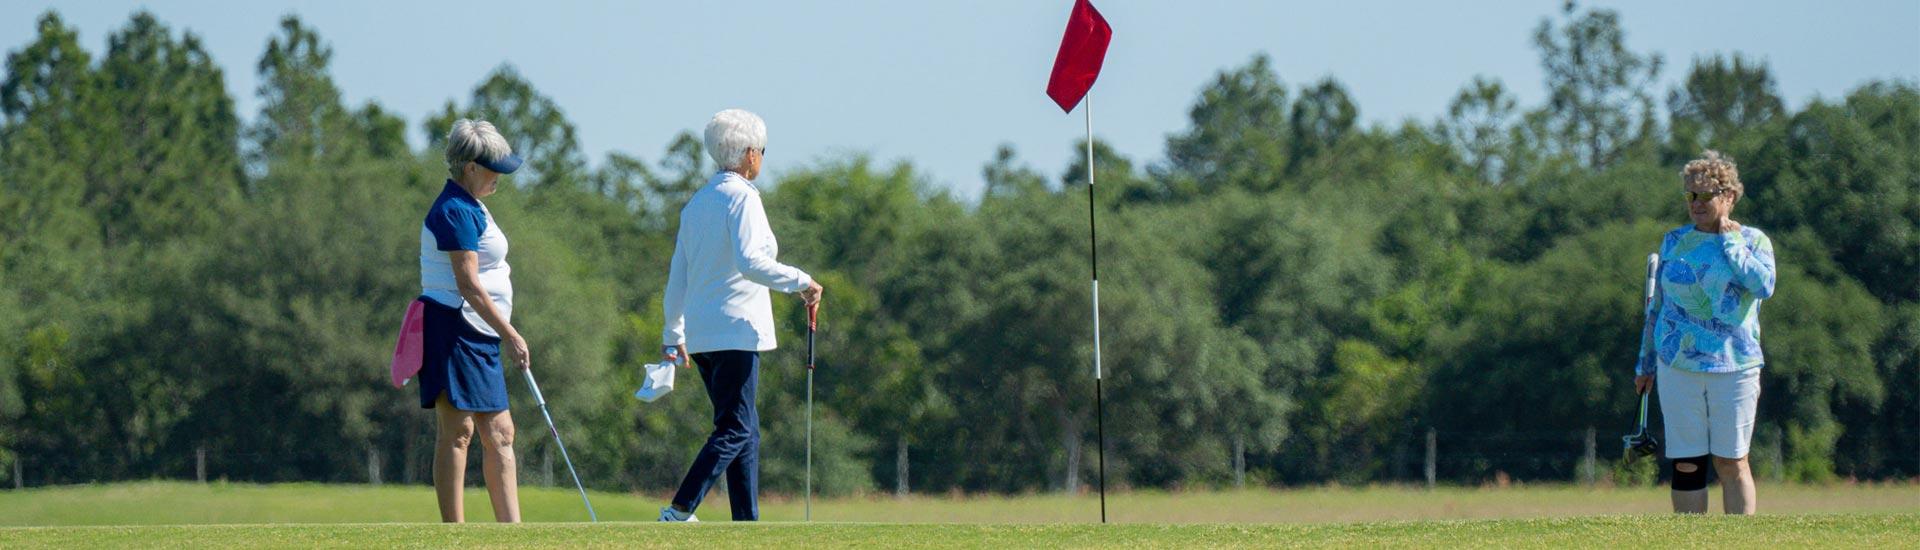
point(1099, 394)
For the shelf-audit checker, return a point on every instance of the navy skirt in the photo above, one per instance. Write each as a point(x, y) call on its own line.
point(459, 361)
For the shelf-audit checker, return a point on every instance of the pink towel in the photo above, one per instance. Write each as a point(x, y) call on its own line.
point(406, 351)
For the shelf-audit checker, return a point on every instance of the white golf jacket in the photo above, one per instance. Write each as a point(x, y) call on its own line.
point(724, 260)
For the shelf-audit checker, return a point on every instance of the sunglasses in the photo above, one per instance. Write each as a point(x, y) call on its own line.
point(1706, 196)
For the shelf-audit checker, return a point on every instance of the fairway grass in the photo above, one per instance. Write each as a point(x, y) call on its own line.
point(1656, 531)
point(217, 515)
point(175, 503)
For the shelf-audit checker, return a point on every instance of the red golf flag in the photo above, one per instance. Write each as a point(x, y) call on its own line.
point(1081, 51)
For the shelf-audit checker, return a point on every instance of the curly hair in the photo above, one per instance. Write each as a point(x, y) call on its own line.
point(1714, 172)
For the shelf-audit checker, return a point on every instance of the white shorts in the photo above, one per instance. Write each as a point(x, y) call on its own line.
point(1708, 413)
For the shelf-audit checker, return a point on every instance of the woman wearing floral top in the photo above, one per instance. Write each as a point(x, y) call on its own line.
point(1704, 342)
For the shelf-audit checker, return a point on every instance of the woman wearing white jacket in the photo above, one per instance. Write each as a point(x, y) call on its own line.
point(718, 311)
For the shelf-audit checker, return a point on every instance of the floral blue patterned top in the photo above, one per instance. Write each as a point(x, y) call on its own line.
point(1707, 306)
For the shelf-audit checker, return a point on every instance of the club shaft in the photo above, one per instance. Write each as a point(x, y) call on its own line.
point(591, 516)
point(1643, 411)
point(811, 326)
point(809, 505)
point(551, 428)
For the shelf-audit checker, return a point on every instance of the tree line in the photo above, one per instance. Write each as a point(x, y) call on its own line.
point(1292, 297)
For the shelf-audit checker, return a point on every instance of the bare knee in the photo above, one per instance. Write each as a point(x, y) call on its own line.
point(458, 438)
point(501, 436)
point(1730, 468)
point(456, 434)
point(498, 433)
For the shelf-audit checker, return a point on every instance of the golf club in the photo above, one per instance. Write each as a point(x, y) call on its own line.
point(813, 320)
point(1641, 443)
point(537, 398)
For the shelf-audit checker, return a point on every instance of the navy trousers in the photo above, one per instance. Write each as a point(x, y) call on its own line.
point(731, 378)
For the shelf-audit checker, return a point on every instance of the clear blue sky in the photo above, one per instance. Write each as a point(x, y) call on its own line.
point(943, 83)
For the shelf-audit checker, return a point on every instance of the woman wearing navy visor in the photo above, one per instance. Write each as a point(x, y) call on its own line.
point(468, 301)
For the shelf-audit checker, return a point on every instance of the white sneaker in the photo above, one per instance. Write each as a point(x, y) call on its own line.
point(670, 514)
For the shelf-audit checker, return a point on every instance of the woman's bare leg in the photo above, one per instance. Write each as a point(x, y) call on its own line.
point(497, 463)
point(1736, 484)
point(455, 431)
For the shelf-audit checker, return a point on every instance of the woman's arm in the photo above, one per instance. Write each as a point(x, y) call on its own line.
point(466, 275)
point(1753, 270)
point(1647, 360)
point(1645, 365)
point(750, 227)
point(673, 305)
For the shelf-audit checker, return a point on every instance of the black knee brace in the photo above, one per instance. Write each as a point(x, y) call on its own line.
point(1690, 481)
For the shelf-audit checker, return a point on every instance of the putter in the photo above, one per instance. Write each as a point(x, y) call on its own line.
point(595, 518)
point(813, 321)
point(1641, 443)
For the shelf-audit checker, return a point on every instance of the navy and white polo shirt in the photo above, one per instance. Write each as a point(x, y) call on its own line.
point(457, 221)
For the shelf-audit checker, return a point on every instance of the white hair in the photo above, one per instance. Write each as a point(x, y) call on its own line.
point(472, 140)
point(731, 133)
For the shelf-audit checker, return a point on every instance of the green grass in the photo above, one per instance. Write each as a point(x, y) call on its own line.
point(172, 503)
point(1659, 531)
point(168, 514)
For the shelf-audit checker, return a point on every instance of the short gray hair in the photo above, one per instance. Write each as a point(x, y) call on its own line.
point(731, 133)
point(471, 140)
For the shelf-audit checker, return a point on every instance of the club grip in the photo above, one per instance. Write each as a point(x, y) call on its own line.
point(537, 398)
point(813, 322)
point(1653, 274)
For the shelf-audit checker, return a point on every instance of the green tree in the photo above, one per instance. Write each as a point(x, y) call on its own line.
point(1322, 120)
point(297, 296)
point(302, 118)
point(49, 99)
point(1116, 183)
point(1237, 136)
point(1723, 100)
point(1478, 125)
point(1362, 406)
point(1006, 177)
point(51, 242)
point(12, 402)
point(1597, 88)
point(1821, 331)
point(1848, 172)
point(851, 218)
point(1542, 351)
point(170, 159)
point(153, 164)
point(685, 164)
point(529, 119)
point(1877, 443)
point(1189, 397)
